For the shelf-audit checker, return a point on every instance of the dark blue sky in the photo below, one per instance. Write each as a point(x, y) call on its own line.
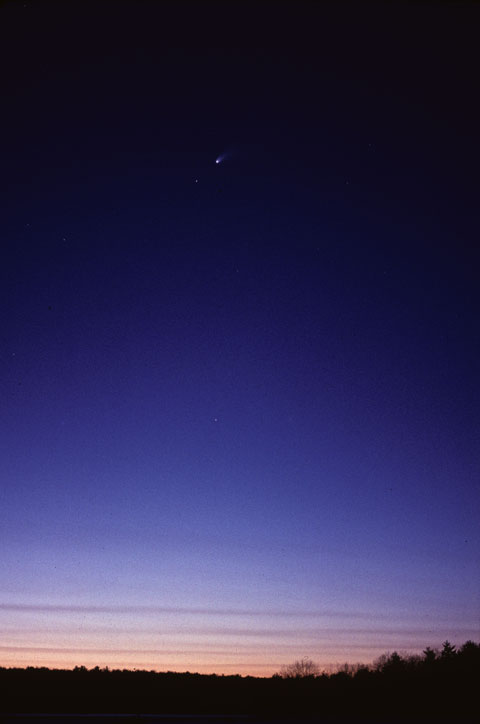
point(240, 404)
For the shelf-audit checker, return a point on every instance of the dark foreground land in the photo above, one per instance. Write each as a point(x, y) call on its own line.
point(165, 719)
point(179, 719)
point(159, 719)
point(439, 686)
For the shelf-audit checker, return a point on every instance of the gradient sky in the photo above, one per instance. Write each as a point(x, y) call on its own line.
point(239, 401)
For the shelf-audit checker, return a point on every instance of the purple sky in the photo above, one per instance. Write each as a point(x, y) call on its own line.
point(240, 404)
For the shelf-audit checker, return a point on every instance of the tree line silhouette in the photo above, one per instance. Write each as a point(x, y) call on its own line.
point(438, 684)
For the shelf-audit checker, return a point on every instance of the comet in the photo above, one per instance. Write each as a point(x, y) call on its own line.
point(224, 156)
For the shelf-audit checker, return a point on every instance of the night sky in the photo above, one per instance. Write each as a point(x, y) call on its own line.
point(239, 400)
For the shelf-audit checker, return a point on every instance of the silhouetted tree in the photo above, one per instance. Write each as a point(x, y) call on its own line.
point(430, 655)
point(389, 663)
point(299, 669)
point(448, 651)
point(470, 651)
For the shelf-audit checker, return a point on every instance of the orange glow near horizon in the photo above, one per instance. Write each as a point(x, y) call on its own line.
point(244, 661)
point(223, 641)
